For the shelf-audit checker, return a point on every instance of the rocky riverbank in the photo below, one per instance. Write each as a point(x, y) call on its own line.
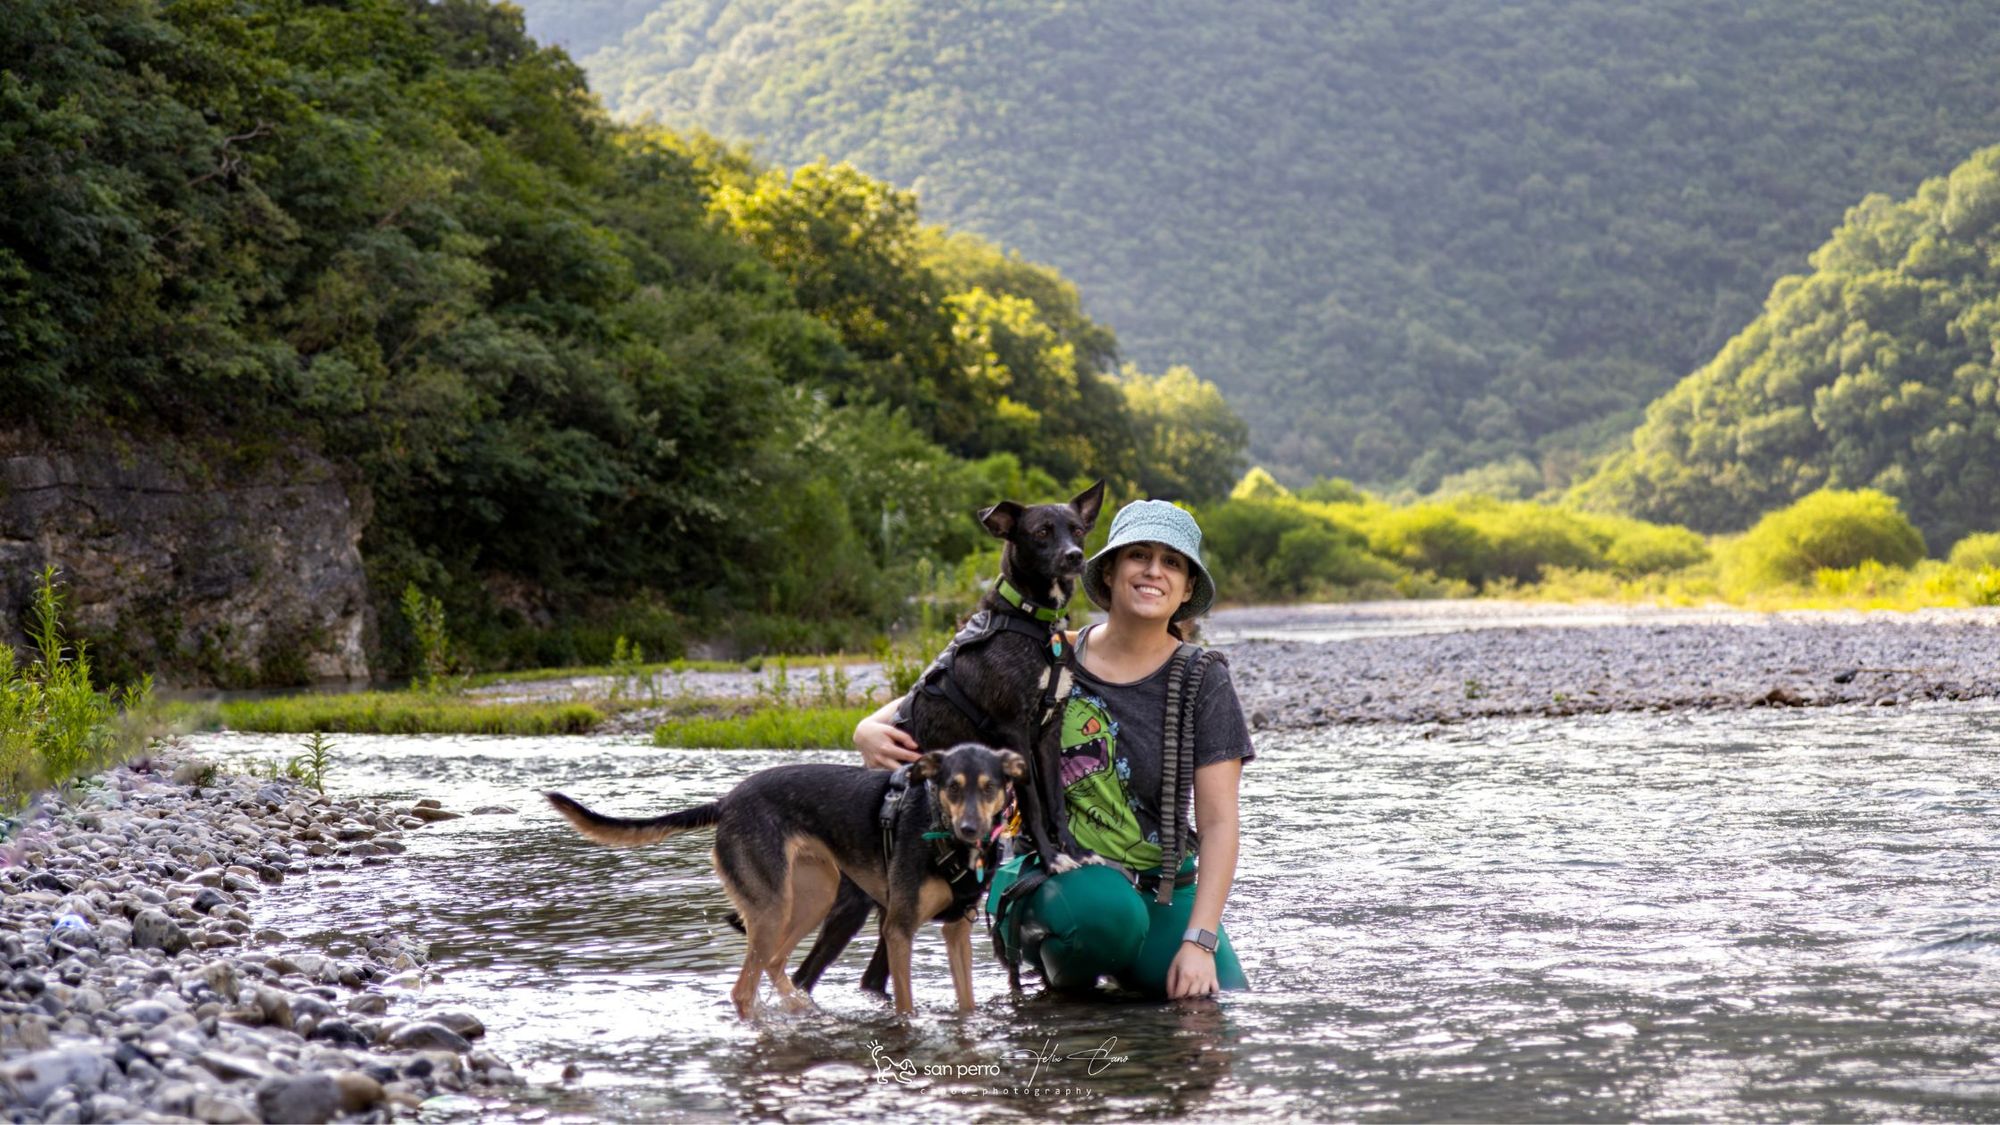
point(139, 987)
point(1671, 660)
point(1444, 661)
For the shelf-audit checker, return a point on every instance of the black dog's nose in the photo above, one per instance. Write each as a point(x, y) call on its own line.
point(1073, 557)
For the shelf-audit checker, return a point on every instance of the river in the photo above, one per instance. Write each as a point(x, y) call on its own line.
point(1741, 915)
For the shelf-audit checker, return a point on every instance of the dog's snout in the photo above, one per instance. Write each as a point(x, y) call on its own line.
point(1073, 558)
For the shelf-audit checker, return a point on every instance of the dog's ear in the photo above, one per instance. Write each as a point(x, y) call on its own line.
point(1001, 518)
point(1013, 765)
point(928, 766)
point(1087, 504)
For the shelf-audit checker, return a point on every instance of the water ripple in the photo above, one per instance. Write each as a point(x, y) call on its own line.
point(1673, 917)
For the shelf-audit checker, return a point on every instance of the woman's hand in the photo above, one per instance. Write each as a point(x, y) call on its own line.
point(882, 743)
point(1192, 973)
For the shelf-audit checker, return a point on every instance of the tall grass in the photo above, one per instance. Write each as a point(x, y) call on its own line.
point(54, 725)
point(404, 713)
point(767, 728)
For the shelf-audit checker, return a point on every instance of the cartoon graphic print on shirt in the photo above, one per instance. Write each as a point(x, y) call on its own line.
point(1101, 813)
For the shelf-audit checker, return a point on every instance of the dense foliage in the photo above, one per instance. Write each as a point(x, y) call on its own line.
point(581, 369)
point(1877, 370)
point(1828, 530)
point(1332, 540)
point(1406, 237)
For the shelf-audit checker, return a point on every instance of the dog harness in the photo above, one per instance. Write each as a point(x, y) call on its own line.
point(1015, 614)
point(964, 869)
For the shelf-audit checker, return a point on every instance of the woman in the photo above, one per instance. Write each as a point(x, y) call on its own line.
point(1090, 922)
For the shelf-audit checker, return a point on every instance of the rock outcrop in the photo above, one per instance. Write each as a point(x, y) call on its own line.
point(205, 568)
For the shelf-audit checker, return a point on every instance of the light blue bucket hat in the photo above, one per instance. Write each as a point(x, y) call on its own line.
point(1152, 521)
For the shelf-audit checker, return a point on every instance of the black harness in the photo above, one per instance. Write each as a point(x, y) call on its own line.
point(963, 868)
point(1014, 614)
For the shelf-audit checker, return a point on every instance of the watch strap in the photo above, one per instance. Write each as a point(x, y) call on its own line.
point(1203, 938)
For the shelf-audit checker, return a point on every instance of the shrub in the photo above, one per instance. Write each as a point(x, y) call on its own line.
point(1434, 538)
point(1831, 530)
point(55, 726)
point(1976, 551)
point(1521, 540)
point(1638, 547)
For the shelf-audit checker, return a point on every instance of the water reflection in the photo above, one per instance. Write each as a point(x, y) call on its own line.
point(1736, 916)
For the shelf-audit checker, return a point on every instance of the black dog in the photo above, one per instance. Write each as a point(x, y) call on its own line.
point(992, 685)
point(785, 838)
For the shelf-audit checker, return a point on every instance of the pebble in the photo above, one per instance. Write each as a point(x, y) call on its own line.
point(137, 984)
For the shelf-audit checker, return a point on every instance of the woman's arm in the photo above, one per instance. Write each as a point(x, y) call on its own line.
point(1215, 785)
point(882, 743)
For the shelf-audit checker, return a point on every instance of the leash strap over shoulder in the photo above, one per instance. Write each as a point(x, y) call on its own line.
point(1177, 734)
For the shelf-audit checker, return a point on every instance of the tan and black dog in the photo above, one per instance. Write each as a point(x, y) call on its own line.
point(785, 836)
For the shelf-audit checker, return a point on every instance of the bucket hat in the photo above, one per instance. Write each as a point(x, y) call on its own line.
point(1153, 521)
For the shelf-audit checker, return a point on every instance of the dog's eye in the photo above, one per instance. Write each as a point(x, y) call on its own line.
point(1041, 533)
point(1076, 531)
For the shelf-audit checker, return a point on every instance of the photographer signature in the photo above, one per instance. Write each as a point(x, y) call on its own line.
point(1095, 1060)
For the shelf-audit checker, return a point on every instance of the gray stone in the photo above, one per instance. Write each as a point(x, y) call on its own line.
point(458, 1020)
point(358, 1092)
point(231, 1068)
point(146, 1013)
point(427, 1036)
point(34, 1078)
point(152, 929)
point(218, 1109)
point(310, 1099)
point(425, 813)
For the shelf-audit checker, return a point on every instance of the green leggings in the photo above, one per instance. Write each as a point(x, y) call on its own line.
point(1090, 922)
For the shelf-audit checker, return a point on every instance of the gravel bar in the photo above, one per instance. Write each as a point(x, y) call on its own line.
point(1693, 659)
point(138, 987)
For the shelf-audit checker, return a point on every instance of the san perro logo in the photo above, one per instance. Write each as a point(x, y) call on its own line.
point(1047, 1067)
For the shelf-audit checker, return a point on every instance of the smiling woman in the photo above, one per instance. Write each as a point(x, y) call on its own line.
point(1150, 727)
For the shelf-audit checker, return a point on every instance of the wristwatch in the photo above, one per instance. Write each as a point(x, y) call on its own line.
point(1204, 938)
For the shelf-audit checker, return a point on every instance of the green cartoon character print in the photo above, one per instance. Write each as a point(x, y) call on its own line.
point(1102, 815)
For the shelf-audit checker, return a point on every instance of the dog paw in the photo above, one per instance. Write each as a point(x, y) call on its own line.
point(1092, 858)
point(1062, 863)
point(798, 1002)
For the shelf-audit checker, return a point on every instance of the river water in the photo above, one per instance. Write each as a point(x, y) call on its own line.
point(1746, 916)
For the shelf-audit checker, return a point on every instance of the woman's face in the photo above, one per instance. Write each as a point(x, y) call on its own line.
point(1150, 582)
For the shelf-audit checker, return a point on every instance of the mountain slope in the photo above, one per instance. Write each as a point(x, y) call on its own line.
point(1880, 369)
point(1405, 236)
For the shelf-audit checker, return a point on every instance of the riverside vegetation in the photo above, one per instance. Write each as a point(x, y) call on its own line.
point(1407, 239)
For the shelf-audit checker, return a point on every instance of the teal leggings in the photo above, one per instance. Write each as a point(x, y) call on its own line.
point(1090, 922)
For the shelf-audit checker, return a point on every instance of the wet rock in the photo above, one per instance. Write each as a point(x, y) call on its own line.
point(307, 1098)
point(35, 1078)
point(231, 1068)
point(463, 1022)
point(219, 1109)
point(358, 1092)
point(336, 1030)
point(433, 815)
point(493, 810)
point(152, 929)
point(425, 1035)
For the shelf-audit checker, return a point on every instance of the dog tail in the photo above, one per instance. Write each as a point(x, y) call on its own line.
point(620, 832)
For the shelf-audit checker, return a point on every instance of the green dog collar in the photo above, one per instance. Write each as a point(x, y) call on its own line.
point(1020, 601)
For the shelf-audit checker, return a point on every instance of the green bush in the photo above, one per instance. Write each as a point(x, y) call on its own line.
point(1975, 552)
point(1435, 538)
point(1827, 530)
point(1638, 547)
point(55, 726)
point(1523, 539)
